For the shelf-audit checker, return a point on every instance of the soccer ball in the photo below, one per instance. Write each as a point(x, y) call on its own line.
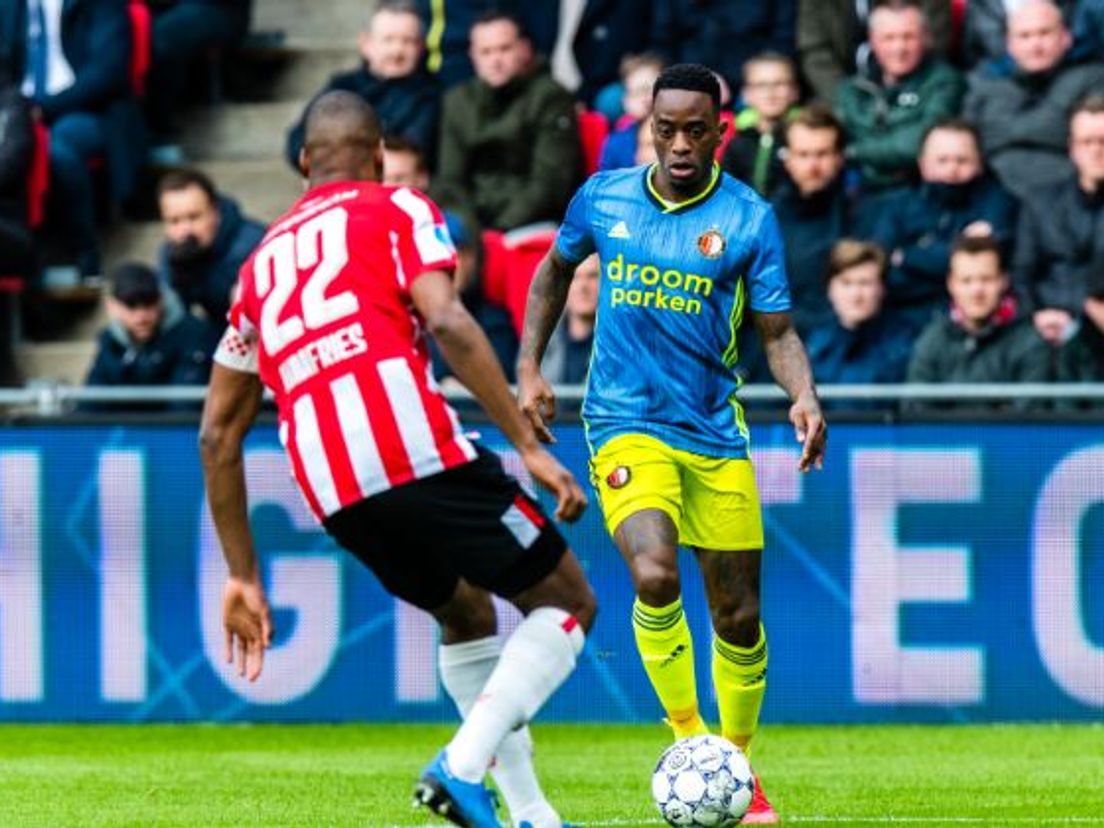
point(703, 781)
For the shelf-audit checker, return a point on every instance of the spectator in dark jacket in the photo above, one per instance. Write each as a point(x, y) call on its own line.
point(919, 225)
point(207, 239)
point(1022, 105)
point(16, 151)
point(812, 208)
point(887, 109)
point(392, 79)
point(1082, 358)
point(982, 339)
point(1060, 242)
point(984, 27)
point(183, 31)
point(609, 31)
point(150, 340)
point(509, 151)
point(1088, 29)
point(831, 39)
point(722, 34)
point(80, 83)
point(770, 94)
point(862, 343)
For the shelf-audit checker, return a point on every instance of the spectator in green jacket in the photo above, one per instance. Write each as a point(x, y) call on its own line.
point(982, 339)
point(509, 152)
point(887, 109)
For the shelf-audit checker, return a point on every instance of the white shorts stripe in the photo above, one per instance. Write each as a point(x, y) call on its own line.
point(358, 437)
point(312, 454)
point(410, 416)
point(521, 527)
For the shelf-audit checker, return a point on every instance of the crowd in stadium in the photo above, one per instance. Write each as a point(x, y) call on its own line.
point(937, 167)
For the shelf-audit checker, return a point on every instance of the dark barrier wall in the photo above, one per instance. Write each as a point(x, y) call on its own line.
point(938, 572)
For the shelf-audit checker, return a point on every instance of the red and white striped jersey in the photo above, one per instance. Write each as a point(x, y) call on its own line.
point(323, 313)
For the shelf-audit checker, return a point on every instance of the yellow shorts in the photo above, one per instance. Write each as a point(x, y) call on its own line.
point(713, 501)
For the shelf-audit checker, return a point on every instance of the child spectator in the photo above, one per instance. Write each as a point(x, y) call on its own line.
point(623, 146)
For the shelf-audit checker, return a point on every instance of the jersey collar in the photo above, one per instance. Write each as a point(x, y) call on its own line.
point(680, 206)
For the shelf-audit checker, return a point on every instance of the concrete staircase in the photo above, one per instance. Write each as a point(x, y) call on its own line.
point(239, 143)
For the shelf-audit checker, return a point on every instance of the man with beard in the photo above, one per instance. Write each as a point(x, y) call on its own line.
point(207, 238)
point(918, 226)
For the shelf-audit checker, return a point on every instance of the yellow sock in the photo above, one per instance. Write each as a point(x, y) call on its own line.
point(740, 679)
point(667, 650)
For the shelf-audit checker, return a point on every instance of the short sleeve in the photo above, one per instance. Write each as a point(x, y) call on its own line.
point(237, 350)
point(425, 244)
point(768, 289)
point(575, 242)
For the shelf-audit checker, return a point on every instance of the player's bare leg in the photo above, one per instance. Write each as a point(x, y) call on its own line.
point(535, 660)
point(468, 654)
point(648, 541)
point(739, 652)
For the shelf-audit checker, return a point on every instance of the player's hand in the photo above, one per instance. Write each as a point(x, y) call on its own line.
point(537, 402)
point(548, 472)
point(811, 431)
point(248, 624)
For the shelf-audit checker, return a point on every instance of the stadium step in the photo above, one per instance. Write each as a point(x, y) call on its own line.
point(66, 362)
point(264, 188)
point(240, 132)
point(332, 21)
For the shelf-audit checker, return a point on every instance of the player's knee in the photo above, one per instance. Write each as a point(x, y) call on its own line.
point(657, 582)
point(737, 623)
point(586, 608)
point(468, 617)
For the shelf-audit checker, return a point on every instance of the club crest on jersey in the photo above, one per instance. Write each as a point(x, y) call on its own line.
point(619, 477)
point(711, 243)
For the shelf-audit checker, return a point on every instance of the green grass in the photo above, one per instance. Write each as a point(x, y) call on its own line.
point(268, 775)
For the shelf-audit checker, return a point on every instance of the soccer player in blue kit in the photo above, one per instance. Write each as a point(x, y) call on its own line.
point(685, 250)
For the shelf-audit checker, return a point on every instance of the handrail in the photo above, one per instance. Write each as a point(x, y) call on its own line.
point(47, 399)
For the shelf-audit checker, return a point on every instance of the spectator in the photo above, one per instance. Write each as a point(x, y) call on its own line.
point(404, 163)
point(722, 34)
point(206, 241)
point(638, 76)
point(831, 39)
point(1082, 358)
point(16, 151)
point(1060, 240)
point(812, 208)
point(509, 151)
point(184, 31)
point(567, 359)
point(1088, 29)
point(887, 108)
point(391, 78)
point(608, 32)
point(982, 339)
point(73, 59)
point(984, 27)
point(1022, 105)
point(149, 340)
point(862, 343)
point(770, 95)
point(919, 225)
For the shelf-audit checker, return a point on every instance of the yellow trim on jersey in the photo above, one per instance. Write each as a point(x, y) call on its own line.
point(435, 35)
point(671, 206)
point(713, 501)
point(732, 352)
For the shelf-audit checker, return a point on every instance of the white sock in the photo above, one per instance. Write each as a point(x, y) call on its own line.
point(465, 669)
point(534, 662)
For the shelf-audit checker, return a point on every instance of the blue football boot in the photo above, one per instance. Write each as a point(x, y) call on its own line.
point(467, 804)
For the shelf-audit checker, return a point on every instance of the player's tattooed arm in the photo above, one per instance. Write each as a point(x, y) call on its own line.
point(547, 295)
point(789, 364)
point(544, 306)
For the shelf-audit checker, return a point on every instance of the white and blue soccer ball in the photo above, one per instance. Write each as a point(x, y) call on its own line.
point(703, 781)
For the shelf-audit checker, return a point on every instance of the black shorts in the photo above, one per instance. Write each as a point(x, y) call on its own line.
point(472, 522)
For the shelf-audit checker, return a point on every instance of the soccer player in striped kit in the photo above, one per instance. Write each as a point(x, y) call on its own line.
point(330, 314)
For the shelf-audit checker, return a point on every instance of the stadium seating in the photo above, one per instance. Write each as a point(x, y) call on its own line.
point(141, 45)
point(509, 262)
point(593, 130)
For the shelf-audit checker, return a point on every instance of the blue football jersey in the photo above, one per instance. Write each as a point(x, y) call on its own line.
point(675, 281)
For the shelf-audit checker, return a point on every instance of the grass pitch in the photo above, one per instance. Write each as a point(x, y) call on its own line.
point(362, 775)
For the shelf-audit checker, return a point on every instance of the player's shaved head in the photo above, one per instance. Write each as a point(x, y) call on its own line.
point(342, 139)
